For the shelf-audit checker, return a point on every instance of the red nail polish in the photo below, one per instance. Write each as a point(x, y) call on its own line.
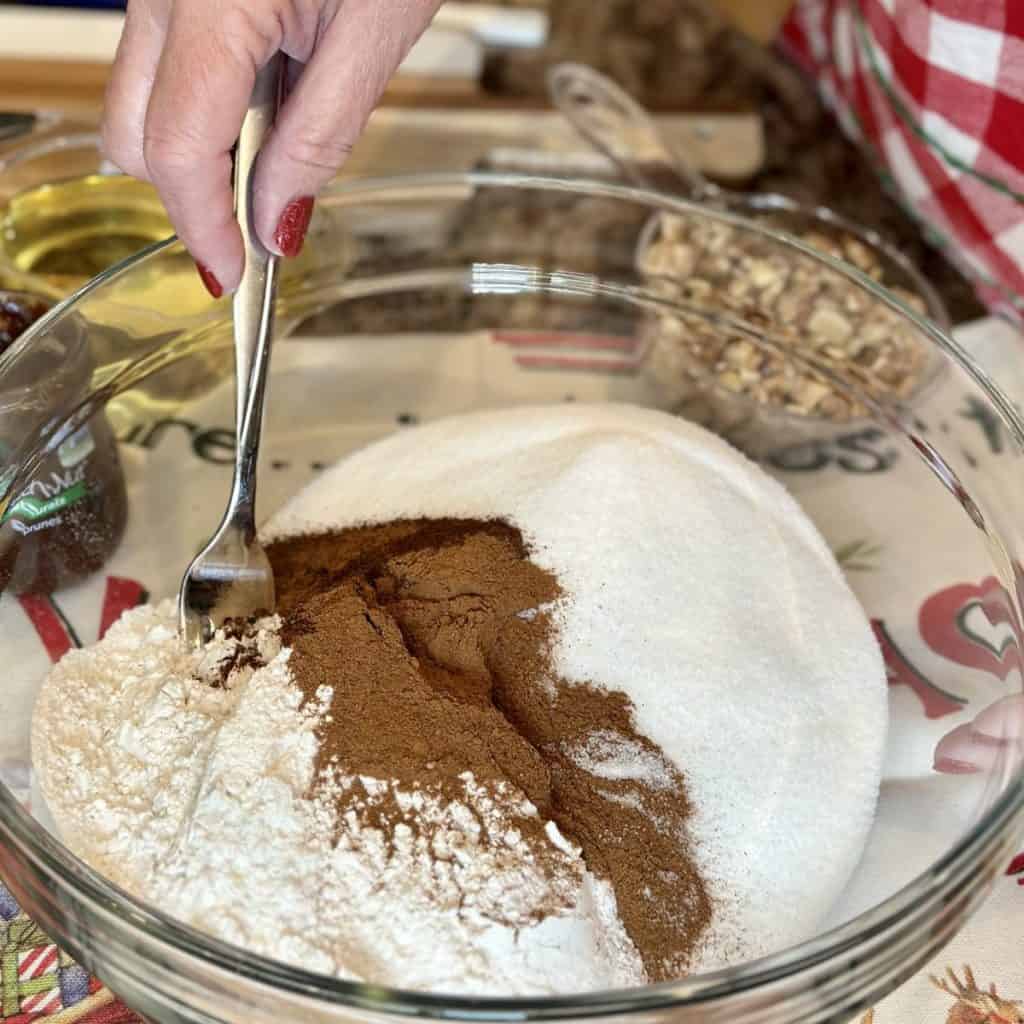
point(954, 766)
point(209, 279)
point(291, 228)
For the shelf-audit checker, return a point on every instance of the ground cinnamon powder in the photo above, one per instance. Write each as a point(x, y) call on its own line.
point(435, 636)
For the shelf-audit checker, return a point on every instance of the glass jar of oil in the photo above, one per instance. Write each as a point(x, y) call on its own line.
point(64, 220)
point(66, 232)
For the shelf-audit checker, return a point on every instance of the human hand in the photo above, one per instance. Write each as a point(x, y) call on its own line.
point(180, 87)
point(992, 741)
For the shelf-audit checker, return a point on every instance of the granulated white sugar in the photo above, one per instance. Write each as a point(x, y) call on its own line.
point(701, 590)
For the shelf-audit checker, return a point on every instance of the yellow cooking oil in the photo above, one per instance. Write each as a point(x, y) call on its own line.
point(158, 322)
point(69, 231)
point(57, 236)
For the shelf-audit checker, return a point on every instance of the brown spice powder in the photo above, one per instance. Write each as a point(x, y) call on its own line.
point(435, 636)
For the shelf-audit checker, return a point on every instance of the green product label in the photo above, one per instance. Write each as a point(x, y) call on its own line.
point(48, 495)
point(32, 509)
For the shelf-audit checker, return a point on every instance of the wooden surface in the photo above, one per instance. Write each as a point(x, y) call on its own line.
point(404, 140)
point(408, 133)
point(77, 87)
point(401, 140)
point(34, 85)
point(760, 19)
point(424, 123)
point(69, 72)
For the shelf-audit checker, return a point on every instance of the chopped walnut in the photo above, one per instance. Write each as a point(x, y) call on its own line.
point(723, 269)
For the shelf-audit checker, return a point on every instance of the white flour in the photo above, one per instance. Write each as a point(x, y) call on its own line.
point(193, 797)
point(608, 755)
point(698, 588)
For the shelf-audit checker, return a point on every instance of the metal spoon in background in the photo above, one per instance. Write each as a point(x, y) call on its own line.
point(620, 128)
point(617, 126)
point(232, 577)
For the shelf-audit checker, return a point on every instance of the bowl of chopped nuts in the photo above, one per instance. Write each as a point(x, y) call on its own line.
point(817, 351)
point(761, 396)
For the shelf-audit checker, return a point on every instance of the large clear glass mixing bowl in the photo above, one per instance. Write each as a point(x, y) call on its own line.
point(446, 294)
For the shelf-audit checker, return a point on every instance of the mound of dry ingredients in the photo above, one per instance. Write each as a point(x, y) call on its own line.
point(543, 711)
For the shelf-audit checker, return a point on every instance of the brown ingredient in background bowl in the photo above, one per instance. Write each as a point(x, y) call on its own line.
point(67, 518)
point(17, 314)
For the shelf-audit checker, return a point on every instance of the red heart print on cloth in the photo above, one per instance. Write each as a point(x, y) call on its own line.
point(57, 634)
point(962, 624)
point(901, 672)
point(946, 622)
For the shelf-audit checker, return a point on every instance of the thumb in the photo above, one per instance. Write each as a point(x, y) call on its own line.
point(327, 109)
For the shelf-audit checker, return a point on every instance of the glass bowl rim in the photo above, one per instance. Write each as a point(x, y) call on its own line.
point(154, 926)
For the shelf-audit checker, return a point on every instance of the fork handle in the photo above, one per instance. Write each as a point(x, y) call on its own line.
point(254, 300)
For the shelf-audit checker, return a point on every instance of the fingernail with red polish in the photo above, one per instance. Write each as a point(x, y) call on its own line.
point(213, 286)
point(291, 228)
point(955, 766)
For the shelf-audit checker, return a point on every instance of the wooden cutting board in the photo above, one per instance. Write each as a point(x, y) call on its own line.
point(404, 140)
point(76, 87)
point(434, 115)
point(60, 58)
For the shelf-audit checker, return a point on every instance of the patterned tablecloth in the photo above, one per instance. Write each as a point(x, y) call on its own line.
point(941, 665)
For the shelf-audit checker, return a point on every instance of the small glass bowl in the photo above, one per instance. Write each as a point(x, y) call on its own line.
point(827, 319)
point(468, 291)
point(67, 214)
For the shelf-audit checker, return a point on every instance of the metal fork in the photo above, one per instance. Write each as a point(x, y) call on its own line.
point(232, 577)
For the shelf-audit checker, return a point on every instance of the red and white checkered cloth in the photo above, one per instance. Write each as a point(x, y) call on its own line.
point(935, 90)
